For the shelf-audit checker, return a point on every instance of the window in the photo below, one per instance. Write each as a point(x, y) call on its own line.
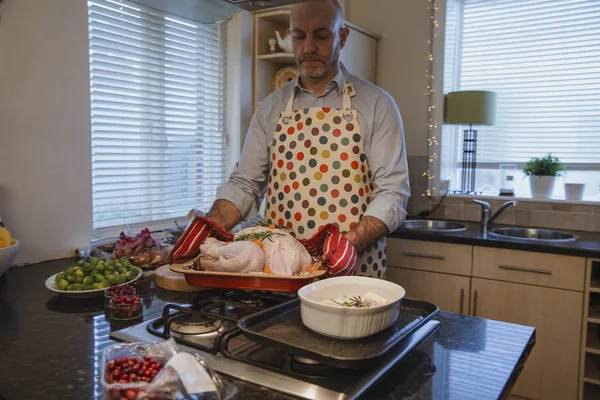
point(542, 58)
point(157, 111)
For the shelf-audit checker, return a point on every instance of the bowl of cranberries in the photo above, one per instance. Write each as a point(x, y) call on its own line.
point(123, 307)
point(109, 293)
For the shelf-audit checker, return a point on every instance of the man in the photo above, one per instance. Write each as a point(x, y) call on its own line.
point(326, 147)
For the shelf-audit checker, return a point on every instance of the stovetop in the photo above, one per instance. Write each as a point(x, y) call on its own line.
point(209, 327)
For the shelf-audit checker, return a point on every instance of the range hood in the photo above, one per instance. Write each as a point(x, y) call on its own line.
point(211, 11)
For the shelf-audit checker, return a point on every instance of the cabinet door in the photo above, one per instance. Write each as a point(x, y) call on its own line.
point(449, 292)
point(552, 369)
point(360, 55)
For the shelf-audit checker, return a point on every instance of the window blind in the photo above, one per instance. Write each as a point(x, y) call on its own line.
point(157, 112)
point(543, 60)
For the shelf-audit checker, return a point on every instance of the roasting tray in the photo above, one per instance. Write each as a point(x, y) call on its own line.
point(224, 280)
point(282, 326)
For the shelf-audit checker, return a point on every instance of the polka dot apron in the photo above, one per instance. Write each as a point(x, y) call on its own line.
point(319, 174)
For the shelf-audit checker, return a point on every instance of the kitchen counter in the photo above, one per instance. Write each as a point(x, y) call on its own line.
point(50, 347)
point(588, 244)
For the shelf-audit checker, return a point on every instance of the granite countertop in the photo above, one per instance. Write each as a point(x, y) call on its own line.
point(588, 244)
point(50, 347)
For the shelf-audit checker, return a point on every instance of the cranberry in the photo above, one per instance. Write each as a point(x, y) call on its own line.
point(130, 394)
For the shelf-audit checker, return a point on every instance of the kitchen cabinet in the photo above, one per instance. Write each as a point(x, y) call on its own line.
point(551, 270)
point(552, 370)
point(450, 292)
point(446, 258)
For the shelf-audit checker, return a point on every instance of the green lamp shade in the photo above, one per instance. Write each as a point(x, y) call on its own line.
point(470, 107)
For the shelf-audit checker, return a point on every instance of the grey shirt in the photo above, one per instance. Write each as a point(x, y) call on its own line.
point(381, 129)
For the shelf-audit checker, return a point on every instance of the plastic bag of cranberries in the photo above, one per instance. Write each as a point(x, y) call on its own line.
point(145, 371)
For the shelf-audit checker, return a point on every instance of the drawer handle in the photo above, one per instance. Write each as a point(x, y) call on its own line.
point(534, 270)
point(462, 300)
point(419, 255)
point(475, 298)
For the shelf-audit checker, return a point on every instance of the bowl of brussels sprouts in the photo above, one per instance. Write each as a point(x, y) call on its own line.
point(90, 278)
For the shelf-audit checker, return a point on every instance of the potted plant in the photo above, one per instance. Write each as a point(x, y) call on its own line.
point(542, 174)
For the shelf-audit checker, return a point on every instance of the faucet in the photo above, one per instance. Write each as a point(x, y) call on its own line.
point(486, 210)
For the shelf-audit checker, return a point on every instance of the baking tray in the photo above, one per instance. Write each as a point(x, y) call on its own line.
point(282, 326)
point(266, 282)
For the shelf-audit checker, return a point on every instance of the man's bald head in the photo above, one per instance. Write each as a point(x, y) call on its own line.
point(335, 9)
point(318, 35)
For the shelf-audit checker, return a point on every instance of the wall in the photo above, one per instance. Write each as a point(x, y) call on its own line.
point(45, 171)
point(405, 27)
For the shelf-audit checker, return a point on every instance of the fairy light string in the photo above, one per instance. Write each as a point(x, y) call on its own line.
point(432, 127)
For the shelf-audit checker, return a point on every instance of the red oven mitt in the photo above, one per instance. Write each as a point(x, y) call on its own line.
point(338, 254)
point(188, 244)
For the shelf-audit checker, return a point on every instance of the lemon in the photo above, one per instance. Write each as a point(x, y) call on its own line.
point(5, 236)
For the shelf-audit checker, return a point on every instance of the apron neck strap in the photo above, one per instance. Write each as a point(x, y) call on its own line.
point(347, 93)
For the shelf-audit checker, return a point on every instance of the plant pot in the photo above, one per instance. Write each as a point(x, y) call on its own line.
point(542, 186)
point(574, 191)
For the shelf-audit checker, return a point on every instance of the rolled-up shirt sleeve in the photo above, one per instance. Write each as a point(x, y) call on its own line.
point(248, 180)
point(388, 164)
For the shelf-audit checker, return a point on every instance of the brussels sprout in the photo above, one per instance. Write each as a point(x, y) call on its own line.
point(96, 285)
point(122, 270)
point(70, 271)
point(112, 279)
point(81, 263)
point(86, 269)
point(104, 284)
point(95, 261)
point(130, 275)
point(77, 268)
point(79, 273)
point(60, 277)
point(77, 286)
point(98, 277)
point(71, 287)
point(107, 263)
point(121, 279)
point(88, 280)
point(109, 268)
point(85, 286)
point(63, 284)
point(79, 279)
point(100, 267)
point(71, 278)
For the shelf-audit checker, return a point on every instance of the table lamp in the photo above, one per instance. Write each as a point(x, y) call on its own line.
point(473, 107)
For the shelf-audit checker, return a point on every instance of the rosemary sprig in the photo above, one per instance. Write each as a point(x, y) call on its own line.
point(267, 225)
point(256, 235)
point(352, 302)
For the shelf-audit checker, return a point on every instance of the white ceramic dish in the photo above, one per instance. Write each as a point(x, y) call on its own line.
point(8, 255)
point(81, 294)
point(346, 322)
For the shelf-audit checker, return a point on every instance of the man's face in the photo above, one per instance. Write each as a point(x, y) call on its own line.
point(317, 38)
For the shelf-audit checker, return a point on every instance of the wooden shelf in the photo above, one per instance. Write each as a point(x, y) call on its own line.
point(593, 316)
point(592, 342)
point(592, 371)
point(594, 286)
point(282, 58)
point(279, 17)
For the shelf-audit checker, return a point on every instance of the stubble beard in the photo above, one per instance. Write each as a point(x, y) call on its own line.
point(320, 69)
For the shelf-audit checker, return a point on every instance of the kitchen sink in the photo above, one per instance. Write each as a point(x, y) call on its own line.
point(535, 235)
point(433, 226)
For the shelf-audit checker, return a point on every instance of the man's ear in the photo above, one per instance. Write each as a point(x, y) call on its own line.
point(344, 32)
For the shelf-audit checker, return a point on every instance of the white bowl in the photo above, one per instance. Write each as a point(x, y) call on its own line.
point(7, 256)
point(346, 322)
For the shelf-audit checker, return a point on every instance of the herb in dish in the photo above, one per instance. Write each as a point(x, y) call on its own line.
point(352, 302)
point(367, 300)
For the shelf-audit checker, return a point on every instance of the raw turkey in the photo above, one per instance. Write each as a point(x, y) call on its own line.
point(284, 255)
point(243, 256)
